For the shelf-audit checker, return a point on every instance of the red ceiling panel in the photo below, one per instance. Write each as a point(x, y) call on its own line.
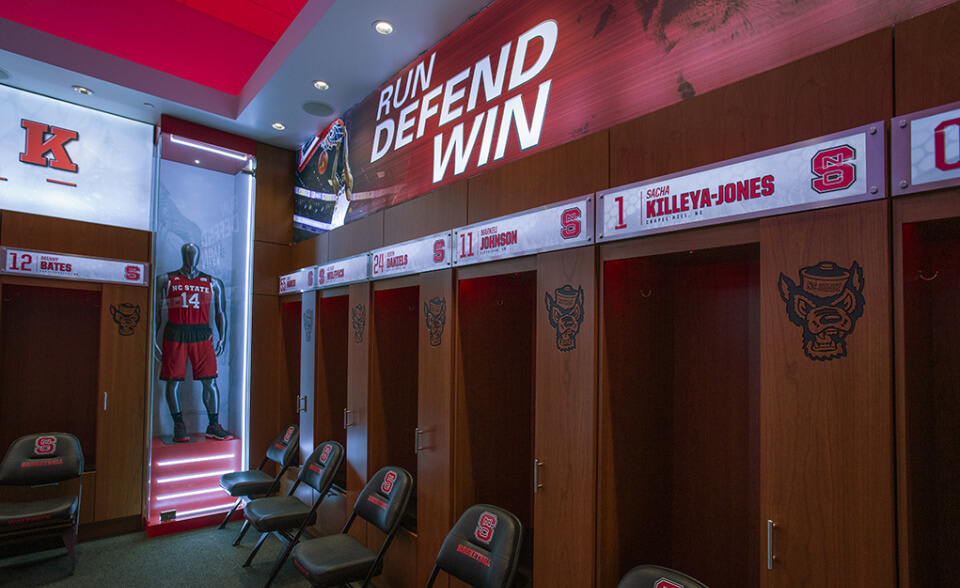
point(288, 8)
point(167, 35)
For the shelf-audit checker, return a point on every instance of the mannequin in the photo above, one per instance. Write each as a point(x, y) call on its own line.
point(184, 299)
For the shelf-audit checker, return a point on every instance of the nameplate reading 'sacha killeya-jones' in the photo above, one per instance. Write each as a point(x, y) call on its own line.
point(44, 264)
point(925, 150)
point(557, 226)
point(826, 171)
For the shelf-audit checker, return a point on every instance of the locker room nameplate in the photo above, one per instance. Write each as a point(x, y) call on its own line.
point(301, 280)
point(420, 255)
point(925, 150)
point(826, 171)
point(557, 226)
point(44, 264)
point(345, 271)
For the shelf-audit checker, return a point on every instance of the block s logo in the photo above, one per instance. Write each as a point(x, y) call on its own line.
point(832, 169)
point(42, 139)
point(325, 453)
point(665, 583)
point(45, 445)
point(388, 481)
point(132, 273)
point(570, 223)
point(485, 526)
point(439, 251)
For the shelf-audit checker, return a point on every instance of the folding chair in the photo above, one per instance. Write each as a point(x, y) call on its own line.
point(482, 549)
point(42, 459)
point(256, 482)
point(648, 576)
point(287, 516)
point(337, 559)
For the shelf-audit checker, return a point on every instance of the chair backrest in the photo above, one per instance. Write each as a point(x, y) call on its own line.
point(322, 465)
point(384, 499)
point(482, 549)
point(43, 458)
point(284, 447)
point(648, 576)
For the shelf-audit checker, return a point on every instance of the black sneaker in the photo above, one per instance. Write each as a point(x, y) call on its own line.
point(218, 432)
point(180, 433)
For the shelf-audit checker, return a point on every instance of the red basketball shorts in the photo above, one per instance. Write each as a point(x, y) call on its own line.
point(173, 363)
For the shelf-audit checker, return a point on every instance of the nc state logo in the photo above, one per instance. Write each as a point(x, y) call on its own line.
point(308, 325)
point(325, 453)
point(288, 435)
point(388, 481)
point(435, 313)
point(665, 583)
point(359, 320)
point(45, 445)
point(826, 305)
point(127, 316)
point(485, 526)
point(566, 315)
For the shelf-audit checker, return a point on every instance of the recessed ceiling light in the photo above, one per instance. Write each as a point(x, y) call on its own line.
point(279, 126)
point(321, 85)
point(383, 27)
point(83, 91)
point(148, 105)
point(196, 161)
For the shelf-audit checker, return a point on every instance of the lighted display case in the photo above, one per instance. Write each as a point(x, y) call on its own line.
point(200, 327)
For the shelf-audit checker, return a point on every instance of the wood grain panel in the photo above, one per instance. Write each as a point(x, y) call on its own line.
point(333, 341)
point(269, 263)
point(120, 437)
point(306, 253)
point(707, 237)
point(59, 235)
point(399, 563)
point(927, 244)
point(566, 428)
point(358, 378)
point(435, 419)
point(838, 89)
point(567, 171)
point(357, 237)
point(826, 426)
point(440, 210)
point(275, 183)
point(269, 378)
point(926, 74)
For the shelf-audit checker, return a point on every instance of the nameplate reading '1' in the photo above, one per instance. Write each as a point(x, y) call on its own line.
point(558, 226)
point(43, 264)
point(343, 272)
point(827, 171)
point(301, 280)
point(925, 150)
point(420, 255)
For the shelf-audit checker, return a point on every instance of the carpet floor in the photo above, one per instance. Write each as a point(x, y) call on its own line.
point(203, 557)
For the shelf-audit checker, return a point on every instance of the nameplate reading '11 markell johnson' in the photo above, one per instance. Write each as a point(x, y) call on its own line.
point(557, 226)
point(44, 264)
point(417, 256)
point(826, 171)
point(301, 280)
point(925, 150)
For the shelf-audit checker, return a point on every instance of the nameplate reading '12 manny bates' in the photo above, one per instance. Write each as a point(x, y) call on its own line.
point(925, 150)
point(344, 271)
point(557, 226)
point(826, 171)
point(44, 264)
point(301, 280)
point(417, 256)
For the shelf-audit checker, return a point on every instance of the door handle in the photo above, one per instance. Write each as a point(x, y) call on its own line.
point(303, 407)
point(416, 440)
point(537, 464)
point(770, 527)
point(345, 423)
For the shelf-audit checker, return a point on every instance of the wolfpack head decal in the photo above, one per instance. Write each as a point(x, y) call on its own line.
point(127, 316)
point(566, 315)
point(435, 313)
point(308, 325)
point(826, 305)
point(359, 320)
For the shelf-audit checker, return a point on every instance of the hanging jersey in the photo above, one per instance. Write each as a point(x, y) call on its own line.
point(188, 299)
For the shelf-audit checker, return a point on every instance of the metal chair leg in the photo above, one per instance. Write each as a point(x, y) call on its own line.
point(281, 558)
point(226, 519)
point(70, 542)
point(256, 548)
point(243, 531)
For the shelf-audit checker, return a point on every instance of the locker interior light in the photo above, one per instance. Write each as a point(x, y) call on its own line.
point(191, 477)
point(191, 493)
point(209, 148)
point(170, 462)
point(220, 507)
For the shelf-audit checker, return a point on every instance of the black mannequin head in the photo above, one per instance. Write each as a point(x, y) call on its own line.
point(191, 256)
